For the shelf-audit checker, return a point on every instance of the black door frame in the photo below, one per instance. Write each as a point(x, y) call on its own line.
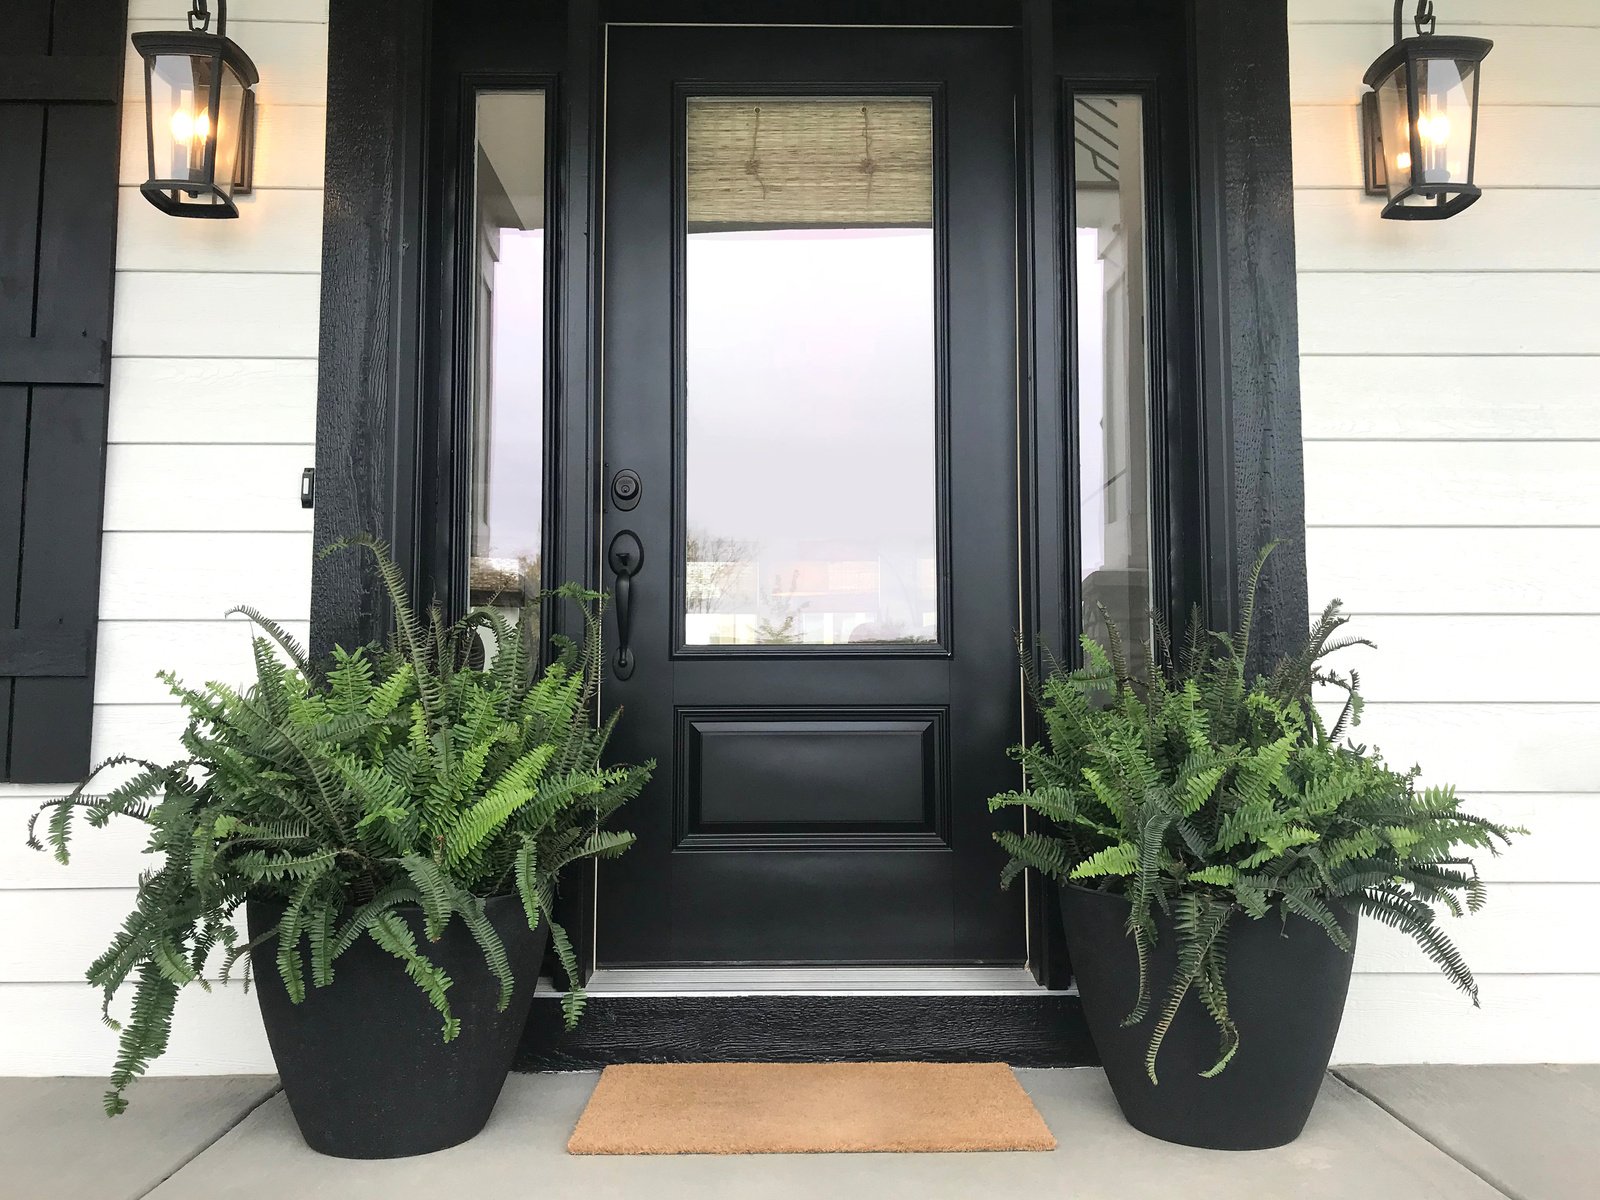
point(1235, 482)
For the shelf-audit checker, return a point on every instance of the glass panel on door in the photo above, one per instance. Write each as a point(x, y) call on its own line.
point(810, 350)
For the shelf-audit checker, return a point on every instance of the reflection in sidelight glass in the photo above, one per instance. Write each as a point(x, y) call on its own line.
point(812, 401)
point(508, 348)
point(1113, 388)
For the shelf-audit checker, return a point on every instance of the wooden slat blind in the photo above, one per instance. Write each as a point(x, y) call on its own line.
point(59, 131)
point(802, 163)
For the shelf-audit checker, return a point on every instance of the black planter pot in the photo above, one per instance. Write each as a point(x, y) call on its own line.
point(363, 1061)
point(1286, 991)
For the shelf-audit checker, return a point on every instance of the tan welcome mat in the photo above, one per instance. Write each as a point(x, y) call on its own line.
point(808, 1108)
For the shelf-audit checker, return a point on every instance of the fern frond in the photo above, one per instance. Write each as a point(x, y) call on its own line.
point(279, 636)
point(392, 934)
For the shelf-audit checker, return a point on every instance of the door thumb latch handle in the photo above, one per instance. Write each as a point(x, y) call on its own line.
point(625, 558)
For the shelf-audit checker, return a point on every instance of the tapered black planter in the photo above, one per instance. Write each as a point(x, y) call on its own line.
point(363, 1061)
point(1286, 990)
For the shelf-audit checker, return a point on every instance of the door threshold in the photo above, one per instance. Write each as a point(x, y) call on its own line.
point(814, 981)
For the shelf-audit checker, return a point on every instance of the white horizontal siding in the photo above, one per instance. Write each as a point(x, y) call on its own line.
point(278, 231)
point(1435, 399)
point(55, 1029)
point(292, 57)
point(85, 920)
point(250, 489)
point(200, 576)
point(253, 401)
point(1459, 13)
point(1420, 1018)
point(1563, 831)
point(1495, 940)
point(161, 11)
point(1515, 484)
point(1518, 148)
point(213, 417)
point(290, 145)
point(1451, 374)
point(179, 314)
point(132, 652)
point(1419, 659)
point(1531, 64)
point(100, 858)
point(1443, 570)
point(1416, 312)
point(1491, 747)
point(1335, 233)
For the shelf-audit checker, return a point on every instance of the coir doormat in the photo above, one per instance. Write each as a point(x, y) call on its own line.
point(808, 1108)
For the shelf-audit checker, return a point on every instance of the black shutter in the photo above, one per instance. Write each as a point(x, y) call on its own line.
point(60, 125)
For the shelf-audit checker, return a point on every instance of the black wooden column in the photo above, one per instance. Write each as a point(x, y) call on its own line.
point(60, 88)
point(367, 413)
point(1251, 333)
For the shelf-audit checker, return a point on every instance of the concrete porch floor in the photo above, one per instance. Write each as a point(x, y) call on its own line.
point(1379, 1133)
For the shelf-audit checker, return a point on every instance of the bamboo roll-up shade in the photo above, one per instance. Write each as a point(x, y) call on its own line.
point(804, 163)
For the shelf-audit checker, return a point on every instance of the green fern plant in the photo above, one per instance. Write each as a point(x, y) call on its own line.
point(1195, 789)
point(412, 774)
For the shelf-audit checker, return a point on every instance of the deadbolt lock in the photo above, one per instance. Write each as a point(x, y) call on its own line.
point(626, 488)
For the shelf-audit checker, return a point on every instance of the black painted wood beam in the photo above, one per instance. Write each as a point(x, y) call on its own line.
point(57, 360)
point(1044, 1030)
point(372, 293)
point(1249, 313)
point(61, 79)
point(43, 654)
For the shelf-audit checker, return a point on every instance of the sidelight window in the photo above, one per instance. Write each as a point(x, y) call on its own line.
point(507, 356)
point(1113, 372)
point(811, 389)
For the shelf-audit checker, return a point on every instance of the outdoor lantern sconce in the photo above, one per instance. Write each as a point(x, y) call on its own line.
point(1420, 121)
point(200, 116)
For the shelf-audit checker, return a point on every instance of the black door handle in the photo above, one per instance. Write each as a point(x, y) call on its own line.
point(625, 558)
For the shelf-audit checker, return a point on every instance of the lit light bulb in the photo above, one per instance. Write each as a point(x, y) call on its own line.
point(1434, 129)
point(187, 128)
point(1402, 161)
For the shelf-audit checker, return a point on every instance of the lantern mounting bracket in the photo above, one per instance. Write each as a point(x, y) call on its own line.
point(1426, 20)
point(200, 17)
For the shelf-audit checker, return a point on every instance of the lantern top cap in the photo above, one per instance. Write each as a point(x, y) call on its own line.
point(1428, 46)
point(155, 43)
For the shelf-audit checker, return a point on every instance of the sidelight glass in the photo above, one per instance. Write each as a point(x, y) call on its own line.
point(507, 349)
point(810, 350)
point(1113, 375)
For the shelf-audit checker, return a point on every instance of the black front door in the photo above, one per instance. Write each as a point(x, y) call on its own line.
point(811, 501)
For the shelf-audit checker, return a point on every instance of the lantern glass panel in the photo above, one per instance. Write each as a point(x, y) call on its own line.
point(180, 120)
point(181, 123)
point(1394, 115)
point(1447, 92)
point(230, 123)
